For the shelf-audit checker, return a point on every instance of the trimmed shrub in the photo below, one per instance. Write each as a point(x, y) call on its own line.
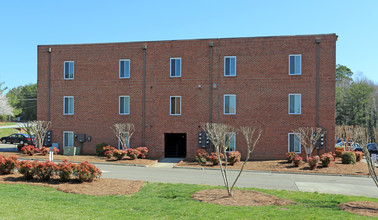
point(339, 152)
point(143, 151)
point(7, 164)
point(108, 154)
point(297, 160)
point(132, 153)
point(45, 170)
point(359, 155)
point(201, 156)
point(313, 162)
point(326, 159)
point(55, 150)
point(119, 154)
point(87, 172)
point(290, 156)
point(44, 150)
point(27, 168)
point(100, 149)
point(29, 150)
point(65, 170)
point(348, 158)
point(233, 157)
point(213, 158)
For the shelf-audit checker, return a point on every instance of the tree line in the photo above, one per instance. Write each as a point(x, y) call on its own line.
point(19, 102)
point(356, 103)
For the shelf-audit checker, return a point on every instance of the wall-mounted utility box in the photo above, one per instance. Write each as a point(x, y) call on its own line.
point(81, 138)
point(203, 140)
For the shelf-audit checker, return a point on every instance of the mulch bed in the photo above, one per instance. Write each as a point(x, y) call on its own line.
point(361, 208)
point(360, 168)
point(239, 198)
point(99, 187)
point(82, 158)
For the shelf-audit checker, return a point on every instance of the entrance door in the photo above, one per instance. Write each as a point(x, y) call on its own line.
point(175, 144)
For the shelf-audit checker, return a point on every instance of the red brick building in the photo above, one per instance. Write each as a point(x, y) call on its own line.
point(167, 89)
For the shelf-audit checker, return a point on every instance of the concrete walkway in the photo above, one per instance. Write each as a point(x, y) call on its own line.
point(345, 185)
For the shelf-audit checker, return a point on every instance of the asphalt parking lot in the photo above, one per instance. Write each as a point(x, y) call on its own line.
point(8, 147)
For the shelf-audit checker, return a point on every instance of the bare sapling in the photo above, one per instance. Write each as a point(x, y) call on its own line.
point(123, 132)
point(308, 137)
point(40, 129)
point(28, 127)
point(220, 136)
point(363, 138)
point(346, 135)
point(252, 136)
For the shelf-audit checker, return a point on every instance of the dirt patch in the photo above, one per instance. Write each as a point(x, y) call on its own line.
point(360, 168)
point(82, 158)
point(361, 208)
point(239, 198)
point(99, 187)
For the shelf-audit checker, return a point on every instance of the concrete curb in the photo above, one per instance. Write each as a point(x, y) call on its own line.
point(275, 172)
point(100, 163)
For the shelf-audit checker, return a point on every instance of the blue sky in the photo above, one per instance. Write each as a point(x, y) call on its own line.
point(26, 24)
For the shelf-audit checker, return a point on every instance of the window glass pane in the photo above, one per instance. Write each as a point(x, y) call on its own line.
point(291, 142)
point(297, 64)
point(71, 69)
point(122, 68)
point(121, 105)
point(227, 66)
point(66, 69)
point(297, 104)
point(291, 104)
point(292, 65)
point(173, 70)
point(232, 104)
point(127, 69)
point(66, 105)
point(178, 67)
point(70, 139)
point(227, 104)
point(296, 143)
point(173, 105)
point(178, 105)
point(233, 65)
point(127, 105)
point(71, 105)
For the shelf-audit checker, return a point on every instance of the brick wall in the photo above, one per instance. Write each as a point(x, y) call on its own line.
point(262, 85)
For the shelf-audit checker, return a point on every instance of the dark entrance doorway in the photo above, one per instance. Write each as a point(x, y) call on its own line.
point(175, 144)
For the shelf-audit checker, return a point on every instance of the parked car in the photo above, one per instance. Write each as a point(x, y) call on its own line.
point(353, 144)
point(17, 139)
point(372, 148)
point(358, 149)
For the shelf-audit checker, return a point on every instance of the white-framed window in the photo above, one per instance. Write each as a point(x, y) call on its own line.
point(295, 104)
point(294, 143)
point(229, 104)
point(232, 143)
point(119, 143)
point(295, 64)
point(175, 105)
point(175, 67)
point(68, 69)
point(124, 105)
point(124, 68)
point(68, 138)
point(230, 65)
point(68, 105)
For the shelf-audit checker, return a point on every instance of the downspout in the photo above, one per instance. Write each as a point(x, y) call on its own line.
point(144, 97)
point(211, 83)
point(49, 50)
point(211, 86)
point(317, 41)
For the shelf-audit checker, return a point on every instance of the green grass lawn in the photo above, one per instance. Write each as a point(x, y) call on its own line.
point(8, 131)
point(7, 123)
point(161, 201)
